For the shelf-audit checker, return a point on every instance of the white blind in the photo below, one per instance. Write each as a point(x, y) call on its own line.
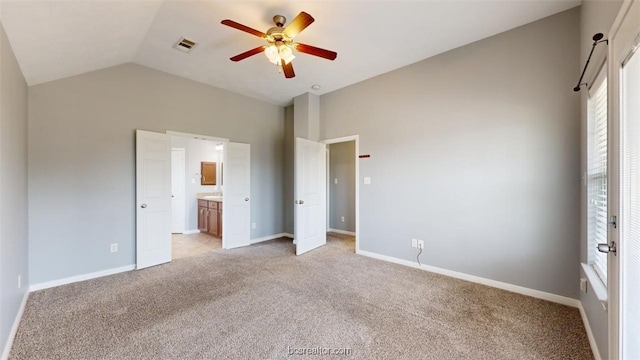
point(597, 178)
point(629, 241)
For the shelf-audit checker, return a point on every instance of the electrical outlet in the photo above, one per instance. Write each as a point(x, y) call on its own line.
point(114, 247)
point(253, 225)
point(342, 218)
point(19, 281)
point(420, 244)
point(414, 243)
point(583, 285)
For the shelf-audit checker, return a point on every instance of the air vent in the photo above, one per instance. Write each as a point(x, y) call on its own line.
point(185, 45)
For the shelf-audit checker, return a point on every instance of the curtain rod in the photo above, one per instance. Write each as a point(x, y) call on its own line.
point(597, 39)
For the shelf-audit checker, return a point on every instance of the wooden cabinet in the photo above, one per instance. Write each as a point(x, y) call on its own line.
point(210, 217)
point(203, 207)
point(208, 173)
point(220, 219)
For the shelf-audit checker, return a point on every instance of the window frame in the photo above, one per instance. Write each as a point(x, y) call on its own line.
point(594, 257)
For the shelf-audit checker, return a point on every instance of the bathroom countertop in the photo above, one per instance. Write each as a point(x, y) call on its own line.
point(213, 196)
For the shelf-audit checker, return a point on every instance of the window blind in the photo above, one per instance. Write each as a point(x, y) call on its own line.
point(597, 178)
point(629, 241)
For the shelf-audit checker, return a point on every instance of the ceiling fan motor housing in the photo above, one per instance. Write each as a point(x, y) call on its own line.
point(279, 20)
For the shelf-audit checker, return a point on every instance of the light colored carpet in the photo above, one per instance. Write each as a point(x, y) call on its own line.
point(262, 301)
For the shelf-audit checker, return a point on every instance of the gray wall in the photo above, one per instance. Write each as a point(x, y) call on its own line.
point(342, 166)
point(595, 17)
point(81, 160)
point(477, 152)
point(13, 188)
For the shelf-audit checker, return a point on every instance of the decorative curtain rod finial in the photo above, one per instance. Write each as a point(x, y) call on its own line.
point(577, 88)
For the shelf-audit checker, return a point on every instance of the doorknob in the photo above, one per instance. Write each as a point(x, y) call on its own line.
point(143, 206)
point(246, 199)
point(606, 248)
point(299, 202)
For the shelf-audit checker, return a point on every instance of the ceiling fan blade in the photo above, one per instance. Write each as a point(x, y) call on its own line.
point(246, 54)
point(316, 51)
point(244, 28)
point(298, 24)
point(288, 69)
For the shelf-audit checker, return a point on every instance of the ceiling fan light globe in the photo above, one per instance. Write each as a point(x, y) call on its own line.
point(271, 52)
point(289, 59)
point(285, 51)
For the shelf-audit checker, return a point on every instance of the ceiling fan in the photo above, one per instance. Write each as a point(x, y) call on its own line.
point(280, 45)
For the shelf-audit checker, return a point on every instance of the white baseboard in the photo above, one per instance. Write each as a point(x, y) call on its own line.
point(14, 327)
point(267, 238)
point(187, 232)
point(592, 339)
point(476, 279)
point(290, 236)
point(72, 279)
point(343, 232)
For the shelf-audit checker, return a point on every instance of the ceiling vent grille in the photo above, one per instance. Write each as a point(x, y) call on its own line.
point(185, 45)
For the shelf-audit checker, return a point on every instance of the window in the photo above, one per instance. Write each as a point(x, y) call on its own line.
point(597, 175)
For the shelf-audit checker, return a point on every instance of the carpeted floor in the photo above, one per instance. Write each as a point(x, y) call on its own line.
point(263, 302)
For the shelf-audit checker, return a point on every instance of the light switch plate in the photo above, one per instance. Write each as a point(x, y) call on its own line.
point(367, 180)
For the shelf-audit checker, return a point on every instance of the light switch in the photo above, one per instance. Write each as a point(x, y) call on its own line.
point(335, 181)
point(367, 180)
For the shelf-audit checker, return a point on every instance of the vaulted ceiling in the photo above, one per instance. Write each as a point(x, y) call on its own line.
point(61, 38)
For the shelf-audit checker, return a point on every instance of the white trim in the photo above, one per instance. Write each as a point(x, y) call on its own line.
point(599, 288)
point(270, 237)
point(196, 136)
point(14, 327)
point(343, 232)
point(587, 327)
point(291, 236)
point(341, 139)
point(73, 279)
point(187, 232)
point(479, 280)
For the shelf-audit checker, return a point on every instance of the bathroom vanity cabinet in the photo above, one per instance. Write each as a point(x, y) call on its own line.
point(210, 217)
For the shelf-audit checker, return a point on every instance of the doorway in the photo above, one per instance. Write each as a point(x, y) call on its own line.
point(154, 191)
point(196, 183)
point(342, 192)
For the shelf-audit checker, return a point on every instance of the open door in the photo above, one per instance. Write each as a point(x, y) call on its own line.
point(310, 215)
point(153, 199)
point(236, 205)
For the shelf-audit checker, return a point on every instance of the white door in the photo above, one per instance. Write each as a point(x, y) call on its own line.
point(236, 204)
point(153, 199)
point(177, 191)
point(625, 67)
point(310, 215)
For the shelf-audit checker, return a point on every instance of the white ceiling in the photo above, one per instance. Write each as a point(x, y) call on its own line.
point(53, 39)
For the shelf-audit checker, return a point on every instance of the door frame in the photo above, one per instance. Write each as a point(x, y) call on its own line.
point(355, 138)
point(183, 176)
point(619, 35)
